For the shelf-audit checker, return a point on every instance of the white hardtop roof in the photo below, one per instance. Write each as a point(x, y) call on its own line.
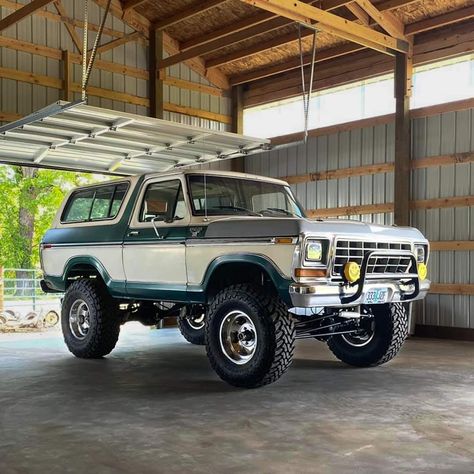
point(78, 137)
point(176, 173)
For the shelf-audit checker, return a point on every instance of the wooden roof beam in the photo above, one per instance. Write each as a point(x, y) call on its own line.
point(412, 29)
point(312, 17)
point(70, 28)
point(387, 20)
point(265, 21)
point(118, 42)
point(445, 19)
point(22, 13)
point(189, 12)
point(359, 13)
point(239, 31)
point(285, 39)
point(143, 25)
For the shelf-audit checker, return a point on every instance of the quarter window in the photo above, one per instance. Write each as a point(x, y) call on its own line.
point(164, 202)
point(94, 204)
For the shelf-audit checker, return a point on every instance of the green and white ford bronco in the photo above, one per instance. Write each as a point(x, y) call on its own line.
point(235, 259)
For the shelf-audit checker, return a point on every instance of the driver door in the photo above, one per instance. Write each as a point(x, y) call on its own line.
point(154, 251)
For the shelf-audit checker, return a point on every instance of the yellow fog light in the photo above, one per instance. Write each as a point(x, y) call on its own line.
point(351, 272)
point(422, 271)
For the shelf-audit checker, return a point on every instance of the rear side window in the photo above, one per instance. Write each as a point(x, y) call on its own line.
point(99, 203)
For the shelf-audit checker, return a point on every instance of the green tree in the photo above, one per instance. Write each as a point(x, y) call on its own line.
point(29, 200)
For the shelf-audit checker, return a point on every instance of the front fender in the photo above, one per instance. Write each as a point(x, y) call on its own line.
point(280, 282)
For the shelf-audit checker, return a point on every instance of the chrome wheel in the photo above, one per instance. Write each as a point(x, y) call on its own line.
point(238, 337)
point(79, 319)
point(196, 322)
point(360, 338)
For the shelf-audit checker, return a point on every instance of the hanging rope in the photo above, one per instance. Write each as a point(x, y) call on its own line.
point(306, 96)
point(87, 67)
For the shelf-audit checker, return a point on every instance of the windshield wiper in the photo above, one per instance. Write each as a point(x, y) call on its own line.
point(281, 211)
point(237, 208)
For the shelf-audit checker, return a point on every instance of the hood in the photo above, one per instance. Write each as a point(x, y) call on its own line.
point(255, 227)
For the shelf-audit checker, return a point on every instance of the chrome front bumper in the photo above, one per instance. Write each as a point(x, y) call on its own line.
point(333, 294)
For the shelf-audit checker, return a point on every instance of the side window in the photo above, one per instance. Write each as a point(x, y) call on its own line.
point(79, 207)
point(93, 204)
point(163, 201)
point(101, 205)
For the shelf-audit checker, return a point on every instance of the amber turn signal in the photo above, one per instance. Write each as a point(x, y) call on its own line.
point(310, 272)
point(283, 240)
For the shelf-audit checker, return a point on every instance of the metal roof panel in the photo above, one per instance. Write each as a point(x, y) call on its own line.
point(78, 137)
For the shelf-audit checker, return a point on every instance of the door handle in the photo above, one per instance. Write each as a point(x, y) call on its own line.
point(133, 233)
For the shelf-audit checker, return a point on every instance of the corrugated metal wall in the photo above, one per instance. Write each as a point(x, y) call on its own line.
point(436, 135)
point(23, 98)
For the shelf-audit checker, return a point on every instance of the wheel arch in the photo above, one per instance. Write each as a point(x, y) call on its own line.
point(237, 268)
point(85, 266)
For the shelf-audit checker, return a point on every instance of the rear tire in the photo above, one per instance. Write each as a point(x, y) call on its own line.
point(390, 329)
point(192, 326)
point(90, 324)
point(250, 336)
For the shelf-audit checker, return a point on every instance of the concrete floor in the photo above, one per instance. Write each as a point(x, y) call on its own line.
point(156, 406)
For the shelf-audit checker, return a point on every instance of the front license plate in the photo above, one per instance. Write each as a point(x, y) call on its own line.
point(376, 296)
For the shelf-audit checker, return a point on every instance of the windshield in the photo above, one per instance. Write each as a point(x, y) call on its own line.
point(229, 196)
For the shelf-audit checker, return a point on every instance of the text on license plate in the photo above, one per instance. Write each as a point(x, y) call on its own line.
point(376, 296)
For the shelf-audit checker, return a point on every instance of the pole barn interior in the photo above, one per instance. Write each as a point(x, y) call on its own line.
point(202, 64)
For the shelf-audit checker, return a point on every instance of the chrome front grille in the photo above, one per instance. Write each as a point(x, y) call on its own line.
point(355, 250)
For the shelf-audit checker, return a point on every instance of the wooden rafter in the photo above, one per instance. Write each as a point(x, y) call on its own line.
point(189, 12)
point(309, 15)
point(263, 22)
point(118, 42)
point(22, 13)
point(359, 13)
point(143, 25)
point(412, 29)
point(440, 20)
point(387, 20)
point(70, 28)
point(285, 39)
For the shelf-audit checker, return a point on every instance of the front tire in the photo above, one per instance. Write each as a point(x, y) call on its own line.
point(250, 336)
point(89, 323)
point(379, 345)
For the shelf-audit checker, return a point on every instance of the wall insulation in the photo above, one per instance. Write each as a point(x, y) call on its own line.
point(442, 134)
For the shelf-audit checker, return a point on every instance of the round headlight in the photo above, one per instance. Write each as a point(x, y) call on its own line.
point(314, 251)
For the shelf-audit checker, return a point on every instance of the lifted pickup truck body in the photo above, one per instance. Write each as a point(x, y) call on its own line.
point(177, 242)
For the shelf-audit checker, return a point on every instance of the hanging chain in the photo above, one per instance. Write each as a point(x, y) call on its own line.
point(87, 66)
point(84, 48)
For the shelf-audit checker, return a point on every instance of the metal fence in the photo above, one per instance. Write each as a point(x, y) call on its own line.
point(20, 291)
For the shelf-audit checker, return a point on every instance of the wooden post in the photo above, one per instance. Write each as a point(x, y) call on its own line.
point(2, 290)
point(403, 85)
point(67, 76)
point(157, 76)
point(238, 164)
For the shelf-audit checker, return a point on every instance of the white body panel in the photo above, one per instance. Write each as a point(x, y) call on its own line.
point(55, 259)
point(200, 255)
point(155, 263)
